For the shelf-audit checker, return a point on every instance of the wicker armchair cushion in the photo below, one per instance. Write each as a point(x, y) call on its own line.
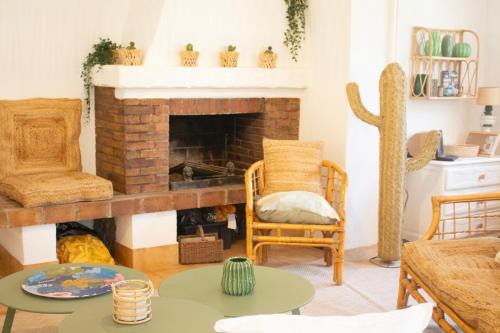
point(292, 165)
point(55, 188)
point(295, 207)
point(462, 274)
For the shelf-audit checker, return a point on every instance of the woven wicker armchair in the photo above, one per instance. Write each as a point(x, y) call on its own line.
point(456, 269)
point(260, 235)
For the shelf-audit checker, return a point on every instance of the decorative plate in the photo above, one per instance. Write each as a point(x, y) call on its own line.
point(72, 282)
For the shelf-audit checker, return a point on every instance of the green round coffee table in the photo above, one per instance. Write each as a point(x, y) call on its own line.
point(15, 298)
point(169, 315)
point(276, 291)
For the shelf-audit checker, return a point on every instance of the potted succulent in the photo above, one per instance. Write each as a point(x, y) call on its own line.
point(189, 57)
point(129, 55)
point(229, 58)
point(267, 59)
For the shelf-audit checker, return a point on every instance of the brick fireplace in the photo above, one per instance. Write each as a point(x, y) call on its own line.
point(133, 147)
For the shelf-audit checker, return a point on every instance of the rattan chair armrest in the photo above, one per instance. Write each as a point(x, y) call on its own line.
point(438, 201)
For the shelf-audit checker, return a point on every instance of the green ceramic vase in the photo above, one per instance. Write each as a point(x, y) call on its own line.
point(238, 278)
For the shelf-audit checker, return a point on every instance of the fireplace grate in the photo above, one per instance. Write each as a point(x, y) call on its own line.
point(194, 174)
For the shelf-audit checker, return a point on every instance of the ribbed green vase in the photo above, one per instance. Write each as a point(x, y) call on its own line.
point(238, 278)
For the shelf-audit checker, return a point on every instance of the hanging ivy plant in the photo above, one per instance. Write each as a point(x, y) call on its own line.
point(102, 54)
point(295, 33)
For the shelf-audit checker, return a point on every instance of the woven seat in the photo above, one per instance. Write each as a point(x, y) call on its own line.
point(454, 264)
point(56, 188)
point(40, 161)
point(462, 275)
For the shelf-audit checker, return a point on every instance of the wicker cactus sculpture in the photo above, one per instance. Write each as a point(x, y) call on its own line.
point(394, 165)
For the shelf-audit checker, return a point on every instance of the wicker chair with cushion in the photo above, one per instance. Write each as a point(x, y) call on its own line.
point(455, 264)
point(296, 166)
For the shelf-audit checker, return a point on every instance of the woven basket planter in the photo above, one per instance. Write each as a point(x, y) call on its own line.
point(229, 59)
point(129, 57)
point(238, 277)
point(132, 301)
point(189, 58)
point(464, 150)
point(268, 60)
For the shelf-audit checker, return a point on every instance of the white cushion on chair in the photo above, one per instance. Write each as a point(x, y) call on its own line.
point(295, 207)
point(412, 320)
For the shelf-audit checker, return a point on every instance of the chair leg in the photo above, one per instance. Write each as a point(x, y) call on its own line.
point(249, 242)
point(263, 254)
point(337, 272)
point(338, 264)
point(328, 256)
point(403, 293)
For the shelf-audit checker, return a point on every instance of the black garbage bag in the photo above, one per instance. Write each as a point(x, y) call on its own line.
point(72, 229)
point(189, 217)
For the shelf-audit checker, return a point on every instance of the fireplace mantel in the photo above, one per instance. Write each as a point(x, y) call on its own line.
point(201, 82)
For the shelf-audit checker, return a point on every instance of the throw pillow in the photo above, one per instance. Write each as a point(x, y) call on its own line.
point(295, 207)
point(292, 165)
point(411, 320)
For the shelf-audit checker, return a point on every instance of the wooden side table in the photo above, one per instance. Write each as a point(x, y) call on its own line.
point(276, 291)
point(15, 298)
point(169, 315)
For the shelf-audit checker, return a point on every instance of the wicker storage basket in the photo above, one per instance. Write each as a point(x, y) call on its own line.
point(465, 150)
point(130, 57)
point(229, 59)
point(189, 58)
point(268, 60)
point(201, 248)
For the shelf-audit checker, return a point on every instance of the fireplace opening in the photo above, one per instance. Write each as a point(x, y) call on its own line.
point(212, 150)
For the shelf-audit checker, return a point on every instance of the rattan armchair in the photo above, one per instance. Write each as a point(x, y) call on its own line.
point(260, 235)
point(454, 219)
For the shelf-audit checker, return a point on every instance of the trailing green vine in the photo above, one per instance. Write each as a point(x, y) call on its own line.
point(295, 33)
point(102, 54)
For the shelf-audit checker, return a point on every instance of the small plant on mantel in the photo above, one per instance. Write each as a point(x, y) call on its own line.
point(229, 58)
point(130, 55)
point(295, 33)
point(103, 53)
point(189, 57)
point(268, 58)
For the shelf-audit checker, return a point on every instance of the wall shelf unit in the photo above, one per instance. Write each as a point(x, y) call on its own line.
point(444, 64)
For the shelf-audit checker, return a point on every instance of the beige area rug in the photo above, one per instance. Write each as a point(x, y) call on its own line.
point(367, 288)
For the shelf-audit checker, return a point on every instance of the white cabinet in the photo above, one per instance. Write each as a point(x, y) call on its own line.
point(463, 176)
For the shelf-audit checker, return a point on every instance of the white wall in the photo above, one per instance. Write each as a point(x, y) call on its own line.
point(30, 245)
point(370, 23)
point(210, 26)
point(323, 115)
point(147, 230)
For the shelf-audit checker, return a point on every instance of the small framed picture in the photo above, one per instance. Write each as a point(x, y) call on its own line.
point(487, 142)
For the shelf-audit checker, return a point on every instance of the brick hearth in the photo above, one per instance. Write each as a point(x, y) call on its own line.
point(12, 215)
point(132, 135)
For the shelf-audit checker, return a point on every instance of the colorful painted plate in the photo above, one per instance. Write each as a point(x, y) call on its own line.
point(72, 282)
